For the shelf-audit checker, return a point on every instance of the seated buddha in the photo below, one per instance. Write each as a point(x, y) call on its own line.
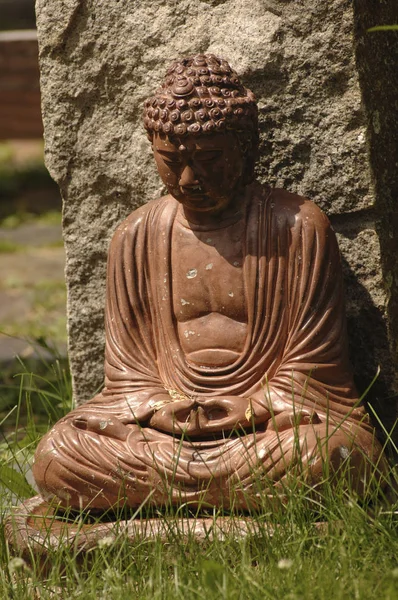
point(226, 357)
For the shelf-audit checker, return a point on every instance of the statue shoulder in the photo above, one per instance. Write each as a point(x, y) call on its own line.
point(138, 218)
point(299, 210)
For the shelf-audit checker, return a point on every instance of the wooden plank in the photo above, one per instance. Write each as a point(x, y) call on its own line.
point(20, 115)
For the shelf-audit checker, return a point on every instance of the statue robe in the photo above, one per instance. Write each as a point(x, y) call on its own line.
point(295, 355)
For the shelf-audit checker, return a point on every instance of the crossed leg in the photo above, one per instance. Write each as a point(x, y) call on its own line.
point(103, 465)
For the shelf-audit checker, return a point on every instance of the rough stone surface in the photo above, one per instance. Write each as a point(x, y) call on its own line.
point(377, 62)
point(99, 61)
point(366, 304)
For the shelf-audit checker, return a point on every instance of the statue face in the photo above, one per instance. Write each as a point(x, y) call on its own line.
point(203, 172)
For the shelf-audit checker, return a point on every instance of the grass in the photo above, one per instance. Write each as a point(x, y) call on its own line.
point(8, 247)
point(354, 556)
point(50, 217)
point(43, 297)
point(357, 562)
point(26, 187)
point(17, 173)
point(46, 315)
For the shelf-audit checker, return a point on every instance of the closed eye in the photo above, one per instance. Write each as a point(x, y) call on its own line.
point(171, 161)
point(207, 156)
point(170, 158)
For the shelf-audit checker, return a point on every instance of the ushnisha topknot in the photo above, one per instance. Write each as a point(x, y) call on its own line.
point(202, 94)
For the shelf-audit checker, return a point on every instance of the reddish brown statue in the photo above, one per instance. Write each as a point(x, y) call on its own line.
point(226, 370)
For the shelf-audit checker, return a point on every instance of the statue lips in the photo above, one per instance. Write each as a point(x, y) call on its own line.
point(194, 191)
point(196, 197)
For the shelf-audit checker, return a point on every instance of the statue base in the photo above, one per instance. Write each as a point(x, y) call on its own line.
point(37, 527)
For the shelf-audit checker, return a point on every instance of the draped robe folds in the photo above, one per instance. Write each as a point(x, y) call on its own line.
point(294, 357)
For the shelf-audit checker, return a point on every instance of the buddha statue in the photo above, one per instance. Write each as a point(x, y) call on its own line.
point(226, 366)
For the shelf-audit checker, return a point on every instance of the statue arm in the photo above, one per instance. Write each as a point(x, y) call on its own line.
point(314, 372)
point(132, 382)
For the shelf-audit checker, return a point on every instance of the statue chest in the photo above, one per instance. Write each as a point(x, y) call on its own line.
point(207, 274)
point(208, 294)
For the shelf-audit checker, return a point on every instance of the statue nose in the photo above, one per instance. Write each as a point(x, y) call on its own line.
point(188, 177)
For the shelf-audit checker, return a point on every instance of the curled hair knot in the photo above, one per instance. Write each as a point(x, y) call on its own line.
point(203, 95)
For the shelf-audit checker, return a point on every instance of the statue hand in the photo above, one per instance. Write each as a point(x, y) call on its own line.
point(142, 413)
point(290, 419)
point(174, 416)
point(202, 416)
point(226, 413)
point(102, 425)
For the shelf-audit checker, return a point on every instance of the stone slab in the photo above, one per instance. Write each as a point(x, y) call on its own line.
point(36, 526)
point(377, 63)
point(100, 61)
point(367, 320)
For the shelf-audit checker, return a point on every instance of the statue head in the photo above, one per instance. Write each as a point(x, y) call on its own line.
point(203, 96)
